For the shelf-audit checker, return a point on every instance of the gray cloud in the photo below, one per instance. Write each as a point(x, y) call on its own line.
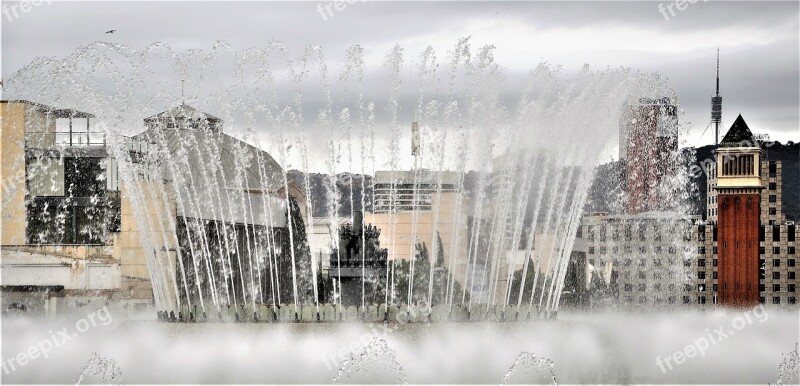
point(758, 40)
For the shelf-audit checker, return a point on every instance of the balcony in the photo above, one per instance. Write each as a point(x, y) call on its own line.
point(47, 140)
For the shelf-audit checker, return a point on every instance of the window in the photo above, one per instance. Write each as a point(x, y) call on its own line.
point(701, 250)
point(762, 232)
point(628, 262)
point(628, 287)
point(773, 169)
point(714, 275)
point(701, 262)
point(591, 250)
point(776, 250)
point(791, 252)
point(627, 249)
point(714, 250)
point(776, 275)
point(791, 230)
point(792, 287)
point(701, 233)
point(776, 262)
point(776, 233)
point(84, 177)
point(701, 275)
point(773, 211)
point(762, 250)
point(642, 287)
point(776, 300)
point(773, 198)
point(602, 250)
point(701, 300)
point(762, 287)
point(776, 288)
point(687, 287)
point(686, 300)
point(714, 262)
point(792, 300)
point(45, 177)
point(773, 186)
point(791, 275)
point(642, 275)
point(791, 262)
point(657, 262)
point(714, 287)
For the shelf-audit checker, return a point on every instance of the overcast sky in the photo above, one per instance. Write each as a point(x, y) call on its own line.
point(759, 42)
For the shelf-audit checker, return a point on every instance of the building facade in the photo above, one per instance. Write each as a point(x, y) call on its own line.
point(90, 217)
point(748, 242)
point(69, 235)
point(743, 253)
point(648, 144)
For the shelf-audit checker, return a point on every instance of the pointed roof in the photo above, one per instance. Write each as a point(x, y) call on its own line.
point(739, 135)
point(236, 164)
point(183, 111)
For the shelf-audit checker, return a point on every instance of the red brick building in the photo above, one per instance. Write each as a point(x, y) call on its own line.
point(739, 197)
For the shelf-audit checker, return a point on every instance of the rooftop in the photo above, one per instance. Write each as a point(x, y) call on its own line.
point(739, 135)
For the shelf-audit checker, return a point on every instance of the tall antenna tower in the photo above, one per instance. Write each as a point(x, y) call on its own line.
point(716, 107)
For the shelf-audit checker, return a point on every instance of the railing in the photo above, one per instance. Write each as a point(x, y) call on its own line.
point(64, 138)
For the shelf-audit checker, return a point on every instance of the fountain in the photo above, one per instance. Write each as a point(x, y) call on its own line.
point(223, 229)
point(475, 222)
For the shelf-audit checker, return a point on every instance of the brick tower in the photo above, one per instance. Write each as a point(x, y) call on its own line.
point(738, 188)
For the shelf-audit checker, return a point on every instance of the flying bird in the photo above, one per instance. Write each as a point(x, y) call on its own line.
point(111, 31)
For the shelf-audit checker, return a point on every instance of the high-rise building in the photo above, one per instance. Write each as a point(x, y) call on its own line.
point(648, 144)
point(756, 251)
point(739, 193)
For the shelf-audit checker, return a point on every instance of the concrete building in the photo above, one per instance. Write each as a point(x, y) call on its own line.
point(648, 145)
point(641, 257)
point(231, 226)
point(744, 243)
point(421, 206)
point(90, 217)
point(69, 236)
